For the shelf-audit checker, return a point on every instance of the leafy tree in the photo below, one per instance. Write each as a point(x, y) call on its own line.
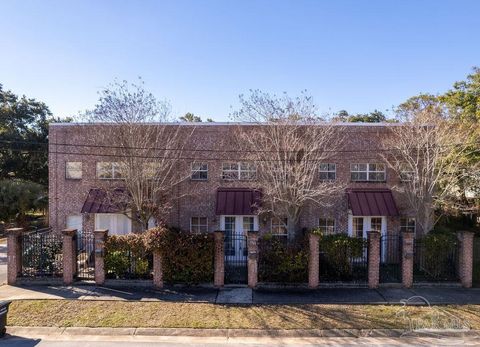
point(24, 137)
point(17, 197)
point(190, 117)
point(373, 117)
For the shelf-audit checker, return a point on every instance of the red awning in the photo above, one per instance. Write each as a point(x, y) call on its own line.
point(372, 202)
point(98, 202)
point(237, 201)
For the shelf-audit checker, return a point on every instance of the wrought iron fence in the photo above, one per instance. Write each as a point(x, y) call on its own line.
point(235, 258)
point(41, 254)
point(85, 255)
point(280, 261)
point(435, 261)
point(125, 264)
point(391, 258)
point(343, 259)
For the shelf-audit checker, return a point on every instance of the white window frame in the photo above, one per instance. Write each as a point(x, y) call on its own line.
point(276, 223)
point(235, 171)
point(328, 171)
point(195, 171)
point(368, 172)
point(367, 226)
point(113, 230)
point(114, 170)
point(68, 169)
point(404, 227)
point(328, 230)
point(198, 225)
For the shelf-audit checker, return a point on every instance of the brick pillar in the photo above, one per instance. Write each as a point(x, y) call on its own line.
point(373, 259)
point(466, 257)
point(407, 258)
point(99, 237)
point(219, 274)
point(313, 261)
point(69, 255)
point(14, 254)
point(157, 270)
point(252, 241)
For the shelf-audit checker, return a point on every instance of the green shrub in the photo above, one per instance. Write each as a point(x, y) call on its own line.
point(282, 262)
point(186, 257)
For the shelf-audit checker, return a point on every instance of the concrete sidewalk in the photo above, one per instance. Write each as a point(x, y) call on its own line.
point(243, 295)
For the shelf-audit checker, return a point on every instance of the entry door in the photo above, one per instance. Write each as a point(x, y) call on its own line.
point(359, 226)
point(236, 228)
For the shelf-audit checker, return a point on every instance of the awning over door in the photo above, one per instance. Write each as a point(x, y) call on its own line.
point(372, 202)
point(237, 201)
point(97, 201)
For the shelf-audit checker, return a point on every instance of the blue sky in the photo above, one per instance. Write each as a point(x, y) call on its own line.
point(200, 55)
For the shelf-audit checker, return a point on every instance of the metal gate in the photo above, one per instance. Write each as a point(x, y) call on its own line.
point(476, 261)
point(85, 256)
point(235, 258)
point(391, 258)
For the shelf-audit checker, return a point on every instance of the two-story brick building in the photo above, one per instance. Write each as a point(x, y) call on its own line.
point(218, 193)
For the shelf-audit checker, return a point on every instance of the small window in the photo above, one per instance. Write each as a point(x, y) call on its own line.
point(368, 172)
point(406, 176)
point(239, 171)
point(407, 224)
point(328, 171)
point(109, 170)
point(326, 225)
point(73, 170)
point(248, 224)
point(357, 227)
point(199, 225)
point(199, 171)
point(376, 224)
point(151, 170)
point(279, 226)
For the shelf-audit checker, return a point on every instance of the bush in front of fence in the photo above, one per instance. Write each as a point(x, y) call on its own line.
point(186, 257)
point(127, 257)
point(342, 258)
point(282, 262)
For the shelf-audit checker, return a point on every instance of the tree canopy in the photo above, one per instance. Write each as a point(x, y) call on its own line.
point(373, 117)
point(190, 117)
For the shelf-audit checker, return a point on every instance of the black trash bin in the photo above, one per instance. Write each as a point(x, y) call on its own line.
point(3, 316)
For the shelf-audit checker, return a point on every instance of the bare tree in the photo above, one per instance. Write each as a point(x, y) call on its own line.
point(287, 141)
point(146, 146)
point(425, 151)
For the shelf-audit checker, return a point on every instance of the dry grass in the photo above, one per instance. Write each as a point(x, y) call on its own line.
point(64, 313)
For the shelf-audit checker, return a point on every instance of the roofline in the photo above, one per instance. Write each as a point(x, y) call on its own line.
point(351, 124)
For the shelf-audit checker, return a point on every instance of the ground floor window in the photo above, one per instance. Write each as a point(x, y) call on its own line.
point(198, 224)
point(116, 223)
point(357, 227)
point(407, 224)
point(279, 226)
point(326, 225)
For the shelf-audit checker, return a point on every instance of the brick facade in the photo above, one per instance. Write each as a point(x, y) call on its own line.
point(197, 198)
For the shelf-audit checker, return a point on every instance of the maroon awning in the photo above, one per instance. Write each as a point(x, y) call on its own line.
point(98, 202)
point(237, 201)
point(372, 202)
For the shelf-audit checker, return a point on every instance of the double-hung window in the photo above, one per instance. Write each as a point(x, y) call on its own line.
point(406, 175)
point(198, 224)
point(239, 171)
point(326, 225)
point(407, 224)
point(368, 172)
point(328, 171)
point(109, 170)
point(199, 171)
point(73, 170)
point(279, 226)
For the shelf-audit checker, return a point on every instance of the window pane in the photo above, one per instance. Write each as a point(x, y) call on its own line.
point(104, 169)
point(73, 170)
point(279, 226)
point(376, 224)
point(357, 229)
point(199, 171)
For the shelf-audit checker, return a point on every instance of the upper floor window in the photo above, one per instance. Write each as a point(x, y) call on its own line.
point(108, 170)
point(368, 172)
point(279, 226)
point(73, 170)
point(239, 171)
point(328, 171)
point(199, 171)
point(198, 224)
point(326, 225)
point(406, 175)
point(407, 224)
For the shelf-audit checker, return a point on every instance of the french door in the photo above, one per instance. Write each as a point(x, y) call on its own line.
point(359, 226)
point(236, 228)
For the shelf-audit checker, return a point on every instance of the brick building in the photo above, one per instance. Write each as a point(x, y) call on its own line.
point(218, 193)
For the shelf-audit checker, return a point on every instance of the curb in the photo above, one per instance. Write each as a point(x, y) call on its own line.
point(233, 333)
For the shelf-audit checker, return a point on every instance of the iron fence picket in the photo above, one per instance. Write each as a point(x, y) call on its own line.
point(435, 264)
point(85, 256)
point(391, 258)
point(235, 260)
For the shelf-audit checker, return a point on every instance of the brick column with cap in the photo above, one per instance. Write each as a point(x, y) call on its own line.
point(373, 259)
point(69, 255)
point(14, 254)
point(252, 242)
point(313, 261)
point(408, 240)
point(219, 267)
point(99, 237)
point(157, 269)
point(466, 258)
